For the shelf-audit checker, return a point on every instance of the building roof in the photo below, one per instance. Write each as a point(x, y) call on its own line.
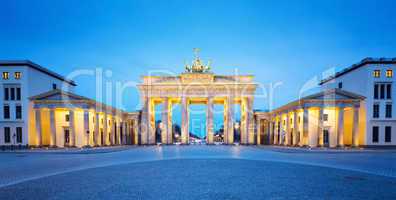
point(362, 63)
point(58, 95)
point(37, 67)
point(327, 96)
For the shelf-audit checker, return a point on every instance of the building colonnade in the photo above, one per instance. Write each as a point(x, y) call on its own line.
point(78, 127)
point(148, 115)
point(63, 119)
point(330, 118)
point(311, 127)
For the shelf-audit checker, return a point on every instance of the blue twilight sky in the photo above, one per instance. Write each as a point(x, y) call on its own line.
point(290, 42)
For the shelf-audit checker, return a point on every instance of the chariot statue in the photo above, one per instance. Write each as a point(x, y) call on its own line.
point(197, 66)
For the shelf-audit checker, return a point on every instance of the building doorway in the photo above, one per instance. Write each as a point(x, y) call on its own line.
point(66, 133)
point(326, 138)
point(237, 123)
point(218, 123)
point(197, 124)
point(176, 124)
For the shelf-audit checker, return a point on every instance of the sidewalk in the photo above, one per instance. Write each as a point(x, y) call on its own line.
point(90, 150)
point(290, 149)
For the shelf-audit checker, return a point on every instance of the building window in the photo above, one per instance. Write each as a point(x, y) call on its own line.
point(54, 86)
point(388, 133)
point(6, 75)
point(17, 75)
point(380, 90)
point(325, 117)
point(388, 91)
point(6, 94)
point(388, 111)
point(18, 93)
point(340, 85)
point(291, 120)
point(382, 93)
point(389, 73)
point(284, 122)
point(376, 111)
point(377, 73)
point(102, 121)
point(376, 87)
point(7, 135)
point(12, 93)
point(6, 113)
point(19, 134)
point(375, 134)
point(18, 112)
point(299, 119)
point(67, 117)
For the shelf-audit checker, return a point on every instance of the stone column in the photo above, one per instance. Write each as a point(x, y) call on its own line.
point(320, 127)
point(313, 126)
point(136, 131)
point(72, 118)
point(38, 126)
point(96, 135)
point(185, 120)
point(87, 132)
point(355, 127)
point(288, 142)
point(165, 122)
point(230, 120)
point(276, 130)
point(119, 130)
point(124, 133)
point(258, 130)
point(295, 128)
point(151, 124)
point(53, 127)
point(305, 126)
point(250, 121)
point(111, 127)
point(105, 129)
point(170, 125)
point(209, 121)
point(281, 129)
point(244, 121)
point(144, 124)
point(340, 127)
point(116, 132)
point(271, 132)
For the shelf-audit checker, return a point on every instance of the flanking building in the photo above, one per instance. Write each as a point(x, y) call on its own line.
point(373, 79)
point(39, 108)
point(19, 80)
point(354, 108)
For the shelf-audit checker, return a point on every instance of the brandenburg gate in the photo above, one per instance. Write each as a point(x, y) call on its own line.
point(197, 85)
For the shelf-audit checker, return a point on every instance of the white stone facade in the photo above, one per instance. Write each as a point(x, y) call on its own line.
point(360, 79)
point(33, 80)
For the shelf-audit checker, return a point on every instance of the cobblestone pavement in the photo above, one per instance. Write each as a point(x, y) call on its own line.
point(339, 174)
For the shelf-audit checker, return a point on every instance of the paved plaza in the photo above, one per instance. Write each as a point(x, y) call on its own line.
point(198, 172)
